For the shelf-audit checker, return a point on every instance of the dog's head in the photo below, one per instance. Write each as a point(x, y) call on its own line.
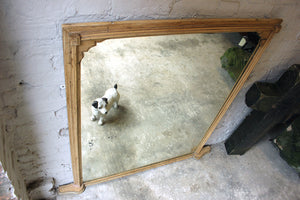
point(101, 105)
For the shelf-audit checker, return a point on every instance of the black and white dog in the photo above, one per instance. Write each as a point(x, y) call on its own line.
point(101, 106)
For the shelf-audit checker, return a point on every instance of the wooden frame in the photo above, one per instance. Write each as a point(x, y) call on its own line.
point(78, 38)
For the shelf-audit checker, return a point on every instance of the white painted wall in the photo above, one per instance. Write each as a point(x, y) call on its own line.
point(34, 128)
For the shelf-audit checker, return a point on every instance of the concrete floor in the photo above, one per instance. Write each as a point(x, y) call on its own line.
point(260, 174)
point(171, 89)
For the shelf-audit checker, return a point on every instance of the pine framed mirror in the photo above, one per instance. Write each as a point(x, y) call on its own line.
point(174, 86)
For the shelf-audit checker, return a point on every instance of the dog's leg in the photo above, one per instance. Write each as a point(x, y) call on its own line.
point(101, 121)
point(116, 105)
point(93, 117)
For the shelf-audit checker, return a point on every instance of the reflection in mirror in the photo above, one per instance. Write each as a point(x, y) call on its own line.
point(171, 88)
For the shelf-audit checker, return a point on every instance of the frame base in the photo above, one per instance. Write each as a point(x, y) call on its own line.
point(203, 151)
point(71, 189)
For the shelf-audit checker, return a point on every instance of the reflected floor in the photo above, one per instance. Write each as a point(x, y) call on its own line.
point(171, 88)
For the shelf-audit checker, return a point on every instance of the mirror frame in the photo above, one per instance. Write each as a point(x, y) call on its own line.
point(79, 38)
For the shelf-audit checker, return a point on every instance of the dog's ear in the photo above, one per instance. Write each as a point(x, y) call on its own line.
point(95, 104)
point(105, 100)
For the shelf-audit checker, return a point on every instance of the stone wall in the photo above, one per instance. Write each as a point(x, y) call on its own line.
point(34, 129)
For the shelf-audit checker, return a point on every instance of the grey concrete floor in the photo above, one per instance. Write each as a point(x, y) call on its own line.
point(171, 89)
point(260, 174)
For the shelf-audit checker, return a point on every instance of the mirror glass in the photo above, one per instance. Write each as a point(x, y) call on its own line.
point(169, 90)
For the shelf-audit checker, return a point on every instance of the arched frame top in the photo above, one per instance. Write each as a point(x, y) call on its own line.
point(79, 38)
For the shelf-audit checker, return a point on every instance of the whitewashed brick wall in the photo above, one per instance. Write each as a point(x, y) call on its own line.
point(34, 128)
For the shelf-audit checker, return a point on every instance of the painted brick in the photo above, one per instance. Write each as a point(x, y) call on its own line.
point(7, 84)
point(190, 8)
point(46, 99)
point(254, 10)
point(93, 7)
point(138, 8)
point(7, 69)
point(254, 1)
point(6, 52)
point(282, 2)
point(43, 55)
point(30, 31)
point(279, 50)
point(48, 120)
point(48, 78)
point(230, 1)
point(10, 97)
point(289, 14)
point(36, 22)
point(228, 9)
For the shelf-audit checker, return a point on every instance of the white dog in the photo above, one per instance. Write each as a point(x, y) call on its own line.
point(101, 106)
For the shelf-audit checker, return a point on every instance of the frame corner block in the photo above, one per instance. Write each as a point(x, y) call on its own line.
point(71, 189)
point(74, 39)
point(277, 28)
point(204, 150)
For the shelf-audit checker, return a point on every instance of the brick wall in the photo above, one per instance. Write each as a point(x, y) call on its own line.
point(34, 128)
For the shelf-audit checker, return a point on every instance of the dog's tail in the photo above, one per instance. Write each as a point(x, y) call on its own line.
point(116, 86)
